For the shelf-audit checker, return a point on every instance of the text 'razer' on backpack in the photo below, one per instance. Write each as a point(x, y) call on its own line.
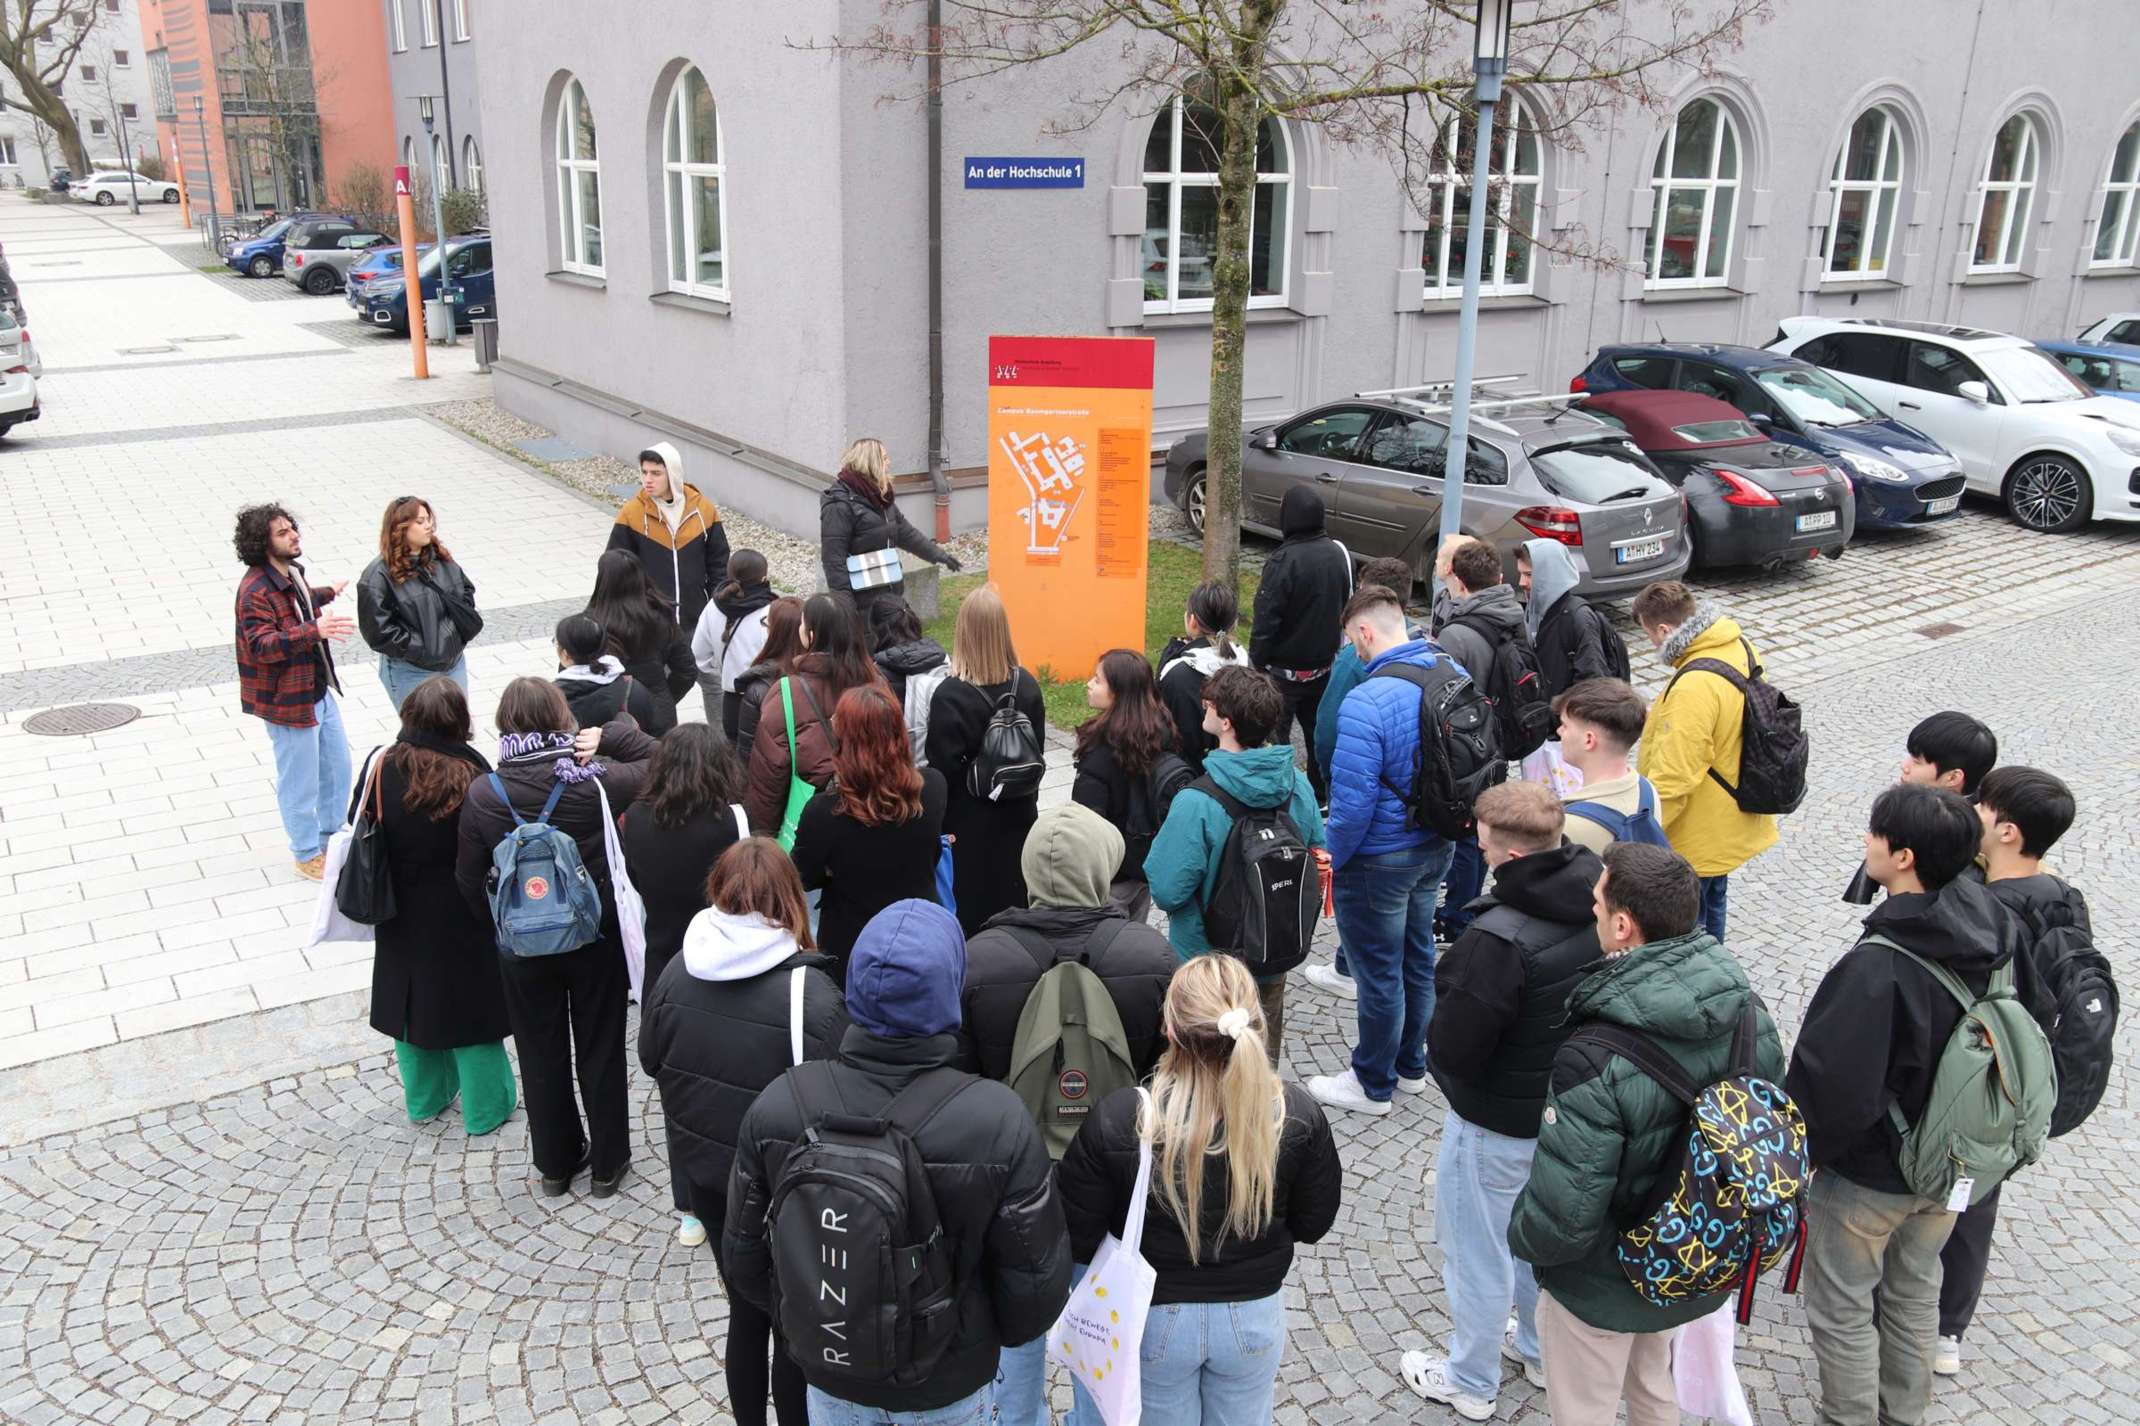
point(1459, 752)
point(1267, 895)
point(1070, 1050)
point(1773, 747)
point(1010, 762)
point(542, 900)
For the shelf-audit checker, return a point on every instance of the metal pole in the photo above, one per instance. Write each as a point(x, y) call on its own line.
point(126, 152)
point(438, 231)
point(1487, 94)
point(215, 215)
point(445, 92)
point(939, 483)
point(412, 288)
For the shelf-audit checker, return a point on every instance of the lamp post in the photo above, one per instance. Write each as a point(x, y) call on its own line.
point(215, 216)
point(1489, 63)
point(438, 219)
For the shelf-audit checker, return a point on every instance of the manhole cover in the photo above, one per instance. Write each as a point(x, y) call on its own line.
point(80, 718)
point(1939, 631)
point(209, 337)
point(145, 351)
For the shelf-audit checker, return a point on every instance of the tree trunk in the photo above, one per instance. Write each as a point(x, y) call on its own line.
point(60, 120)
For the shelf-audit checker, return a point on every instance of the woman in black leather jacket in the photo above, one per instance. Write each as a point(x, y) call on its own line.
point(416, 608)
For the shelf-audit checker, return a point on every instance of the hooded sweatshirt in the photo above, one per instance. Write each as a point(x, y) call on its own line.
point(678, 541)
point(730, 633)
point(1562, 625)
point(597, 694)
point(1695, 727)
point(1183, 866)
point(1305, 585)
point(1477, 625)
point(1184, 664)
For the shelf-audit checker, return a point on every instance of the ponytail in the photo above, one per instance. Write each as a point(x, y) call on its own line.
point(1215, 608)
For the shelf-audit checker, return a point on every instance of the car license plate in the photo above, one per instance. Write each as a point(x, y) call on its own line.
point(1942, 505)
point(1818, 520)
point(1639, 551)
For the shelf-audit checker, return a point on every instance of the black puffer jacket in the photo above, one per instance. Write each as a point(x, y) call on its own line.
point(1003, 965)
point(1305, 585)
point(848, 523)
point(1100, 1171)
point(1500, 993)
point(994, 1192)
point(750, 687)
point(596, 695)
point(901, 662)
point(407, 620)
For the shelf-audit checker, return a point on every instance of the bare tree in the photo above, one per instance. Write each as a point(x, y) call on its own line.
point(39, 43)
point(1383, 76)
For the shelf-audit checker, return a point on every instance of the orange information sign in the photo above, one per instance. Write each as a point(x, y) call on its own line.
point(1069, 491)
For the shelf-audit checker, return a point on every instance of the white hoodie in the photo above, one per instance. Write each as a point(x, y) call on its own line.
point(672, 509)
point(718, 946)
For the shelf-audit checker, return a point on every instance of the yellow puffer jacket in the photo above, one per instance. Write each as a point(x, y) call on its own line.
point(1696, 727)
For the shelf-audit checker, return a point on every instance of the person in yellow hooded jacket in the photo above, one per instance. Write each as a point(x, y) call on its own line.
point(1692, 740)
point(675, 534)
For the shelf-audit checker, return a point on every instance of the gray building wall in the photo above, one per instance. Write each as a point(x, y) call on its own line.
point(113, 34)
point(825, 333)
point(445, 70)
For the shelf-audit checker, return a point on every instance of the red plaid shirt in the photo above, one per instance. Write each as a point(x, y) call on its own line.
point(283, 663)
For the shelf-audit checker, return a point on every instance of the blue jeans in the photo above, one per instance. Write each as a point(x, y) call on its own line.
point(1714, 891)
point(1022, 1375)
point(311, 778)
point(1385, 916)
point(1466, 879)
point(1476, 1182)
point(401, 678)
point(978, 1409)
point(1205, 1364)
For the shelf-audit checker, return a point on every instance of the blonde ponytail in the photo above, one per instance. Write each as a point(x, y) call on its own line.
point(1215, 1092)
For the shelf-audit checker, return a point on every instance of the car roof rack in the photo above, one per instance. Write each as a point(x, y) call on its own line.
point(1434, 398)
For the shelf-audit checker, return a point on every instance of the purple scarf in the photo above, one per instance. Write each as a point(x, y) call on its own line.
point(528, 747)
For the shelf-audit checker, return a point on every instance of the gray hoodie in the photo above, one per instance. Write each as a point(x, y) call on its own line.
point(1553, 574)
point(1495, 610)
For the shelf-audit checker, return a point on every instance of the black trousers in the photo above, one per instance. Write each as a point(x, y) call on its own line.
point(1962, 1263)
point(1302, 703)
point(567, 1011)
point(750, 1335)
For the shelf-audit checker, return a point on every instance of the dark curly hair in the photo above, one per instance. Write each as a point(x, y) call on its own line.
point(251, 537)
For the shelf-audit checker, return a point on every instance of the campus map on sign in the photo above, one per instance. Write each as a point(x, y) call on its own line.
point(1050, 470)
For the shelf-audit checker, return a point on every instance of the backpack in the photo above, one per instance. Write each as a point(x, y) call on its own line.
point(921, 692)
point(1611, 645)
point(1070, 1050)
point(542, 900)
point(1459, 752)
point(1010, 762)
point(1518, 695)
point(1151, 797)
point(1640, 825)
point(2083, 998)
point(862, 1282)
point(1989, 1112)
point(1773, 744)
point(1267, 895)
point(1729, 1204)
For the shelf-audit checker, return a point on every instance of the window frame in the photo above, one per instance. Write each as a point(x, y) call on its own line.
point(441, 169)
point(1447, 182)
point(2020, 208)
point(428, 11)
point(122, 59)
point(397, 24)
point(1374, 415)
point(572, 226)
point(7, 152)
point(2125, 246)
point(1883, 190)
point(678, 177)
point(1963, 363)
point(460, 21)
point(1176, 180)
point(472, 163)
point(1663, 185)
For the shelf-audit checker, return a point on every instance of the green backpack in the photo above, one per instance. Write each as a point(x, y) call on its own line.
point(1990, 1108)
point(1070, 1051)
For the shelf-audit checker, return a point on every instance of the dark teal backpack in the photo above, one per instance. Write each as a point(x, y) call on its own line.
point(542, 900)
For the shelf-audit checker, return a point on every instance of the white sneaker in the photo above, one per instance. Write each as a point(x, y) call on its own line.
point(689, 1231)
point(1429, 1377)
point(1947, 1357)
point(1343, 1091)
point(1412, 1086)
point(1533, 1372)
point(1326, 977)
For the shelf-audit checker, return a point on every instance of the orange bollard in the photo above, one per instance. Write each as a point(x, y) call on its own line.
point(411, 285)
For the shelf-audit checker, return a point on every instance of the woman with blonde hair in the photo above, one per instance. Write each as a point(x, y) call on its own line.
point(994, 786)
point(861, 530)
point(1243, 1168)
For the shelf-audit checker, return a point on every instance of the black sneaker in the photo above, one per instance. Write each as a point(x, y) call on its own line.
point(558, 1187)
point(600, 1187)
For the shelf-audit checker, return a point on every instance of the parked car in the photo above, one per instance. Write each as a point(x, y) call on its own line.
point(2106, 368)
point(376, 262)
point(2022, 426)
point(385, 299)
point(1529, 473)
point(318, 251)
point(1750, 501)
point(2122, 327)
point(18, 384)
point(60, 180)
point(1901, 476)
point(110, 185)
point(261, 254)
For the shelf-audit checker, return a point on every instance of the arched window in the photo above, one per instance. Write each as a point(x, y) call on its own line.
point(2006, 197)
point(472, 164)
point(1865, 193)
point(441, 171)
point(579, 184)
point(691, 172)
point(1697, 187)
point(408, 154)
point(2117, 230)
point(1511, 218)
point(1181, 211)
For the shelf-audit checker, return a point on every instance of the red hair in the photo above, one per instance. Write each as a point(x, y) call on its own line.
point(874, 765)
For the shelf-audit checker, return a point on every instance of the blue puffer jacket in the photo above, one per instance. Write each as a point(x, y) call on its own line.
point(1377, 739)
point(1345, 675)
point(1183, 865)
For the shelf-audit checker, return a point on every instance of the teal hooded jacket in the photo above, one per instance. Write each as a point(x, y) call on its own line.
point(1183, 865)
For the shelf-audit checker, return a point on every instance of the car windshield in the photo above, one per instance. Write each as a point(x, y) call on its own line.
point(2029, 375)
point(1597, 472)
point(276, 230)
point(1814, 397)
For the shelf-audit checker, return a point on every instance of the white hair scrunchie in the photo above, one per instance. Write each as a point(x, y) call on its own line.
point(1234, 1023)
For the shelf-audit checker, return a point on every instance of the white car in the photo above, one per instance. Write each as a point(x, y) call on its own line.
point(2023, 428)
point(2122, 328)
point(109, 185)
point(18, 387)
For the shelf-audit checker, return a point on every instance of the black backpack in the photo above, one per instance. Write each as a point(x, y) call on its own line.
point(1773, 747)
point(1459, 753)
point(1267, 895)
point(1611, 645)
point(1151, 797)
point(2082, 998)
point(1521, 705)
point(1010, 762)
point(862, 1283)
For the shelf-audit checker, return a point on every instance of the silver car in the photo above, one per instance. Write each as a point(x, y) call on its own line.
point(318, 252)
point(1533, 471)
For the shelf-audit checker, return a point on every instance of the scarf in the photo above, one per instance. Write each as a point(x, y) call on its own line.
point(863, 486)
point(531, 747)
point(447, 747)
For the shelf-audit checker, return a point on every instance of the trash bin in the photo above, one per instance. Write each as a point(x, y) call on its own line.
point(438, 321)
point(484, 330)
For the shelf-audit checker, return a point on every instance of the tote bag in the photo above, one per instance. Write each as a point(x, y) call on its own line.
point(631, 911)
point(1100, 1335)
point(799, 789)
point(1704, 1377)
point(364, 883)
point(328, 922)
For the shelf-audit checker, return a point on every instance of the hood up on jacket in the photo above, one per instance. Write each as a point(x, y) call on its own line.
point(672, 509)
point(1255, 777)
point(1070, 857)
point(718, 946)
point(1683, 988)
point(605, 669)
point(907, 972)
point(1495, 606)
point(1553, 576)
point(1554, 885)
point(1301, 513)
point(1962, 927)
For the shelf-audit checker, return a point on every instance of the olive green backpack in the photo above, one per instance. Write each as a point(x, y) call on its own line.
point(1070, 1050)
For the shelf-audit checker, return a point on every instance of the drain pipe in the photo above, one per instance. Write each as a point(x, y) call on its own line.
point(939, 483)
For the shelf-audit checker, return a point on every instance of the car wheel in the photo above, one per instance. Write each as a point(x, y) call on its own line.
point(261, 266)
point(319, 282)
point(170, 195)
point(1193, 497)
point(105, 200)
point(2049, 493)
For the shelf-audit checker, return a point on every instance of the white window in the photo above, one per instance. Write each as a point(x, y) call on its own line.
point(408, 155)
point(1865, 191)
point(429, 10)
point(441, 174)
point(460, 19)
point(7, 150)
point(1181, 211)
point(1511, 215)
point(2006, 197)
point(472, 164)
point(579, 184)
point(1697, 185)
point(692, 166)
point(398, 24)
point(2117, 230)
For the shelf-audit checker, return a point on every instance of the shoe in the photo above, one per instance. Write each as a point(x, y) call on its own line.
point(312, 868)
point(1324, 977)
point(1947, 1357)
point(1343, 1091)
point(689, 1231)
point(1429, 1377)
point(559, 1187)
point(1407, 1085)
point(1533, 1372)
point(599, 1187)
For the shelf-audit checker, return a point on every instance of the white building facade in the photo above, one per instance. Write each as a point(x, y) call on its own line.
point(108, 93)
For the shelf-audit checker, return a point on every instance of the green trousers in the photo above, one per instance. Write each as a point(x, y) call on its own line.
point(481, 1074)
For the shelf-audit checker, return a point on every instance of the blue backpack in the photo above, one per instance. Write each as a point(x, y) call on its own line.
point(1640, 825)
point(542, 900)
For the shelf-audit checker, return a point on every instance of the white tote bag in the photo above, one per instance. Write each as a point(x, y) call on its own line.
point(328, 922)
point(631, 911)
point(1100, 1336)
point(1704, 1377)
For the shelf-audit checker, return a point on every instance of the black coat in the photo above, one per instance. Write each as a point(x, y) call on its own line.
point(902, 661)
point(1131, 959)
point(849, 524)
point(751, 687)
point(1305, 585)
point(994, 1191)
point(986, 872)
point(1568, 645)
point(1181, 689)
point(594, 704)
point(408, 620)
point(1099, 1171)
point(1103, 785)
point(669, 866)
point(862, 869)
point(667, 672)
point(435, 977)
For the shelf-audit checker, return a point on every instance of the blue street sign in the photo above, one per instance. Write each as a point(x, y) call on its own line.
point(1025, 173)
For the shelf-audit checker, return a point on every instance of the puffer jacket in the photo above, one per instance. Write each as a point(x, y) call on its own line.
point(685, 560)
point(849, 523)
point(1695, 727)
point(1007, 957)
point(901, 662)
point(1346, 671)
point(1377, 743)
point(765, 796)
point(715, 1031)
point(407, 620)
point(1305, 585)
point(596, 695)
point(751, 685)
point(1183, 865)
point(1609, 1131)
point(730, 634)
point(1477, 625)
